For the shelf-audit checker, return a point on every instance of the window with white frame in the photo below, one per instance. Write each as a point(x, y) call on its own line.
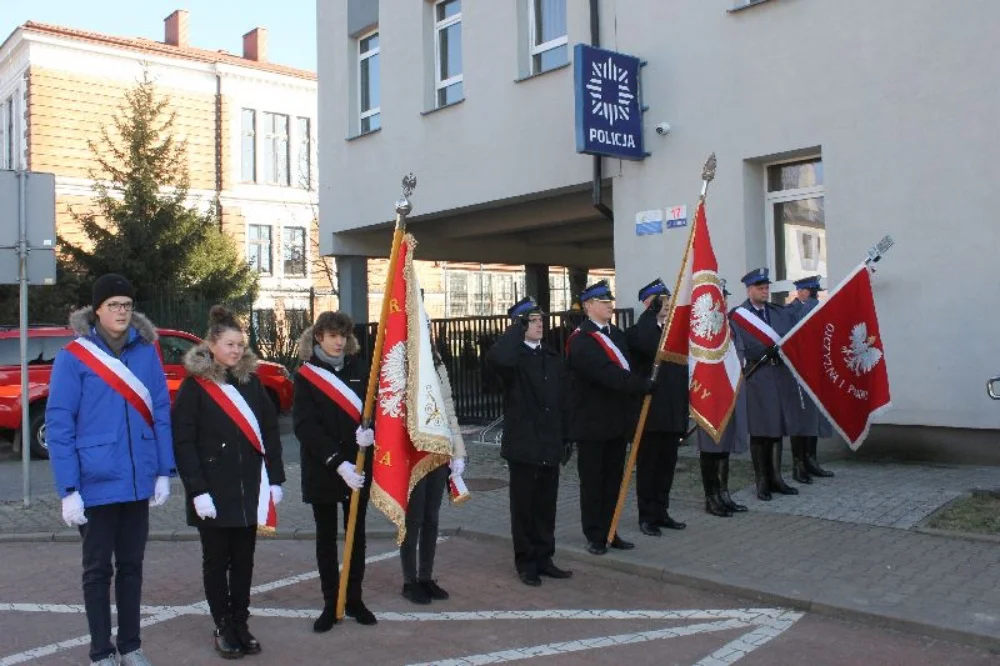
point(259, 248)
point(8, 135)
point(796, 221)
point(248, 146)
point(448, 80)
point(368, 82)
point(276, 149)
point(547, 30)
point(304, 131)
point(294, 251)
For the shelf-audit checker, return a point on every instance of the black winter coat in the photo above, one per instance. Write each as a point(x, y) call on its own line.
point(326, 433)
point(668, 411)
point(213, 455)
point(535, 384)
point(602, 394)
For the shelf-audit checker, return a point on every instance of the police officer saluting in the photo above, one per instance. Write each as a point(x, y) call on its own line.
point(603, 390)
point(668, 413)
point(534, 379)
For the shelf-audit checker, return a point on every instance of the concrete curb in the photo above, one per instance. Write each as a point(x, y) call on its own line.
point(701, 581)
point(191, 534)
point(952, 534)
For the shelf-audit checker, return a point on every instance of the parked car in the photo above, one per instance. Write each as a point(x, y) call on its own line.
point(993, 388)
point(44, 342)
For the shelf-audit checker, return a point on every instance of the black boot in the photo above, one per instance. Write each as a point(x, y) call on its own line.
point(812, 465)
point(710, 480)
point(759, 452)
point(226, 642)
point(799, 471)
point(326, 619)
point(727, 499)
point(778, 484)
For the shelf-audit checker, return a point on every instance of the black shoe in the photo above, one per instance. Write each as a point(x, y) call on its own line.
point(799, 472)
point(248, 644)
point(649, 529)
point(812, 466)
point(597, 548)
point(727, 501)
point(226, 644)
point(530, 579)
point(360, 613)
point(326, 619)
point(671, 524)
point(433, 590)
point(621, 544)
point(552, 571)
point(715, 507)
point(416, 593)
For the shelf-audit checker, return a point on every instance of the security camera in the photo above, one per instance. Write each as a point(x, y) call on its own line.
point(663, 129)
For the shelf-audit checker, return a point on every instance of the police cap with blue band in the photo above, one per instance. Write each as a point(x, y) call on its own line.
point(654, 288)
point(756, 276)
point(524, 307)
point(811, 282)
point(600, 291)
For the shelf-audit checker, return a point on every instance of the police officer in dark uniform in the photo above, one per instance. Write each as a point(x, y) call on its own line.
point(770, 410)
point(534, 380)
point(668, 413)
point(603, 392)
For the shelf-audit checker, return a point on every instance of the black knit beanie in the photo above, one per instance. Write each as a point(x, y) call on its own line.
point(111, 285)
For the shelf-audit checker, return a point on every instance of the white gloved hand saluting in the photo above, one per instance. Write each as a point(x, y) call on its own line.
point(72, 510)
point(161, 491)
point(205, 507)
point(364, 436)
point(353, 480)
point(457, 466)
point(277, 494)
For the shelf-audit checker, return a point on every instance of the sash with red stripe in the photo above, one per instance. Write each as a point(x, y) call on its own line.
point(334, 388)
point(607, 345)
point(236, 408)
point(116, 374)
point(759, 329)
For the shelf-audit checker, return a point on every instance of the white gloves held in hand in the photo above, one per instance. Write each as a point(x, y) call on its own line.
point(277, 494)
point(204, 506)
point(364, 436)
point(72, 510)
point(160, 492)
point(457, 466)
point(353, 480)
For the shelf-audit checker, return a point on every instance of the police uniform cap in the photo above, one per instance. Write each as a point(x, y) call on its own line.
point(600, 291)
point(811, 282)
point(654, 288)
point(756, 276)
point(524, 307)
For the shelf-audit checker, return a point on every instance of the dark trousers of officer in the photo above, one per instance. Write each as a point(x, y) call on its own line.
point(227, 568)
point(656, 462)
point(114, 530)
point(600, 464)
point(327, 562)
point(533, 493)
point(422, 526)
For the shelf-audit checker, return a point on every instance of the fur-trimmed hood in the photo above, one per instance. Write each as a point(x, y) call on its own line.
point(199, 362)
point(84, 319)
point(306, 343)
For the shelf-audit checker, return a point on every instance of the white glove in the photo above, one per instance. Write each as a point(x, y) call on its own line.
point(364, 436)
point(161, 491)
point(458, 466)
point(72, 510)
point(205, 507)
point(353, 480)
point(276, 494)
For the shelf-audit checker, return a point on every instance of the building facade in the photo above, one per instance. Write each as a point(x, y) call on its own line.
point(834, 123)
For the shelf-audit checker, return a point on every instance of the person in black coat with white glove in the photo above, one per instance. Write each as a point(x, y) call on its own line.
point(329, 395)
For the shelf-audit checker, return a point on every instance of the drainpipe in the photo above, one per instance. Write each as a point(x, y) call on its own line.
point(598, 194)
point(218, 145)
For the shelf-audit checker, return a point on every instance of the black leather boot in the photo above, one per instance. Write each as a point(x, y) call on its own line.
point(710, 481)
point(799, 471)
point(727, 499)
point(226, 642)
point(760, 449)
point(812, 465)
point(778, 484)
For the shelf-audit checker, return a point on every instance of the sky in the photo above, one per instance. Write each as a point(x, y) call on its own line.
point(214, 24)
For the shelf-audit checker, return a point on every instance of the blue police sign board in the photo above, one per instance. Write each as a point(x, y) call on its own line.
point(608, 118)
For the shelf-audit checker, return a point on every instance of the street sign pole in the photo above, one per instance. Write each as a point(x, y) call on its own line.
point(22, 251)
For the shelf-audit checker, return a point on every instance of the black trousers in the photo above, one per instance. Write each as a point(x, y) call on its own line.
point(533, 493)
point(119, 531)
point(227, 568)
point(656, 462)
point(601, 464)
point(327, 561)
point(422, 526)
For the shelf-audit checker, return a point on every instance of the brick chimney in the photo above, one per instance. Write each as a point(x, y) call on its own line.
point(176, 31)
point(255, 45)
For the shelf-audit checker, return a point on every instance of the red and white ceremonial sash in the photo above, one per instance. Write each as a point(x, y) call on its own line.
point(116, 374)
point(612, 351)
point(756, 327)
point(237, 409)
point(334, 388)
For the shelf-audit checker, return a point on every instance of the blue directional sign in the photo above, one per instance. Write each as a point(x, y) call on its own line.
point(608, 117)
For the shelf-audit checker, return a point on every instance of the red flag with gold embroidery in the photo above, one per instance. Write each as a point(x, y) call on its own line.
point(412, 434)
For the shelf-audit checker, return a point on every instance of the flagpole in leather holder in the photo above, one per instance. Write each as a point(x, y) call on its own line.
point(707, 175)
point(403, 209)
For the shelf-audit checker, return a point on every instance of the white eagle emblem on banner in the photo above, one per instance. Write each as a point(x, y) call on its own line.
point(861, 356)
point(392, 385)
point(706, 319)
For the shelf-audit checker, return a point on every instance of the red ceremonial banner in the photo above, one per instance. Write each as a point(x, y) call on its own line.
point(836, 354)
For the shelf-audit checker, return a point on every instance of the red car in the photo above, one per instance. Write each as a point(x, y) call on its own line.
point(45, 341)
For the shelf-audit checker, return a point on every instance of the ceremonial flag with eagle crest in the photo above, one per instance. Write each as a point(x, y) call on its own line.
point(412, 433)
point(698, 334)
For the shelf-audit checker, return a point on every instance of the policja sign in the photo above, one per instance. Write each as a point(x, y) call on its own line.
point(608, 115)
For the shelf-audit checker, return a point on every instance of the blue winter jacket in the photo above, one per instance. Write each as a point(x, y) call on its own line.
point(98, 443)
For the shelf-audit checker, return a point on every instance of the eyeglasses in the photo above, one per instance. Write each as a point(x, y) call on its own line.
point(120, 307)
